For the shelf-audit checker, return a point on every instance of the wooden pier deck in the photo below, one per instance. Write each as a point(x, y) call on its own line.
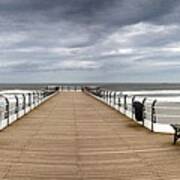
point(75, 137)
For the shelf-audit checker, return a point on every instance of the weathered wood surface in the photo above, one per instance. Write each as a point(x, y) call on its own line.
point(75, 137)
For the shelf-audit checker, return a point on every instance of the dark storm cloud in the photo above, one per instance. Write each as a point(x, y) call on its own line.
point(124, 12)
point(112, 36)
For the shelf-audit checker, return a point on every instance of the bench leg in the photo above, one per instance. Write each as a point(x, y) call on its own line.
point(175, 139)
point(176, 136)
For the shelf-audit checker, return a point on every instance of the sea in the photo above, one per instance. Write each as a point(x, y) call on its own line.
point(108, 86)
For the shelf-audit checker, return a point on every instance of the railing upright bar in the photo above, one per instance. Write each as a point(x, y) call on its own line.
point(114, 98)
point(7, 109)
point(125, 102)
point(17, 106)
point(153, 113)
point(119, 103)
point(133, 98)
point(144, 115)
point(24, 103)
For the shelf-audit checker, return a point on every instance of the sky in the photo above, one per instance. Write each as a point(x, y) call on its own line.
point(89, 41)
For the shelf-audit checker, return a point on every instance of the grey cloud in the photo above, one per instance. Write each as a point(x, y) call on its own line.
point(80, 36)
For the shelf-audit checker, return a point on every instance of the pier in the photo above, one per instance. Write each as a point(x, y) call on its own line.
point(72, 136)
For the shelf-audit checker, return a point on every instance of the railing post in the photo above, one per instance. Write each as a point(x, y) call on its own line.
point(106, 98)
point(114, 98)
point(110, 97)
point(125, 102)
point(104, 95)
point(17, 106)
point(29, 104)
point(153, 115)
point(34, 98)
point(119, 102)
point(38, 99)
point(24, 103)
point(7, 110)
point(133, 98)
point(144, 115)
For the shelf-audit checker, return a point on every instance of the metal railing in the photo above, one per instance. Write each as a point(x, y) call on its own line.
point(15, 104)
point(154, 114)
point(66, 88)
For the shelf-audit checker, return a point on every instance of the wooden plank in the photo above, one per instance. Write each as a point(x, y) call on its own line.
point(73, 136)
